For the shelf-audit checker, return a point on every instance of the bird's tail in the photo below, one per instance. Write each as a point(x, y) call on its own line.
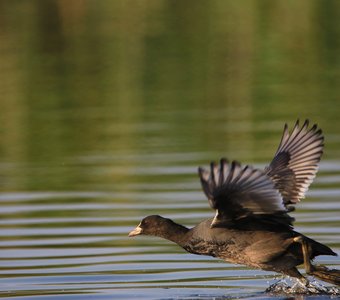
point(325, 274)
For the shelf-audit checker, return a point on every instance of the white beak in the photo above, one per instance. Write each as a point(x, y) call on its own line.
point(136, 231)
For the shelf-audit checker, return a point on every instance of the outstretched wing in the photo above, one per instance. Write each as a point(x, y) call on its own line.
point(236, 192)
point(295, 163)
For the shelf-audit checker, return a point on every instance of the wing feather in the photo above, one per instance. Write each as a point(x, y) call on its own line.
point(296, 160)
point(236, 192)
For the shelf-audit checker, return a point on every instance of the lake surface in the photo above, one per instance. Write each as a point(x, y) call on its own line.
point(107, 110)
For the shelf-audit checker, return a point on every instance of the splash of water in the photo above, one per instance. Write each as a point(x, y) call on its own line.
point(297, 287)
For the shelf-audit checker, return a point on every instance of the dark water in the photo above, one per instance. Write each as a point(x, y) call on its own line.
point(107, 109)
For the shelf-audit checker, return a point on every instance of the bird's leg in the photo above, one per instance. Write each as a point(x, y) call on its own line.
point(322, 272)
point(306, 254)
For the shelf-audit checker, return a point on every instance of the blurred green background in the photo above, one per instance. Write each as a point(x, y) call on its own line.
point(90, 89)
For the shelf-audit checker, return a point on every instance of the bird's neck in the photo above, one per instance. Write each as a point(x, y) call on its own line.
point(176, 233)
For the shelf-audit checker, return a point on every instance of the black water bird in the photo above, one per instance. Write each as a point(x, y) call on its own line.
point(252, 225)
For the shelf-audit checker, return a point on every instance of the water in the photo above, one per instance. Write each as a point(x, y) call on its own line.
point(74, 244)
point(108, 109)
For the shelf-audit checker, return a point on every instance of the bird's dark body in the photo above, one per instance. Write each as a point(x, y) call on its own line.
point(268, 249)
point(242, 247)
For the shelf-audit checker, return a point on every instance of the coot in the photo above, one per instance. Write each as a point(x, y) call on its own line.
point(251, 225)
